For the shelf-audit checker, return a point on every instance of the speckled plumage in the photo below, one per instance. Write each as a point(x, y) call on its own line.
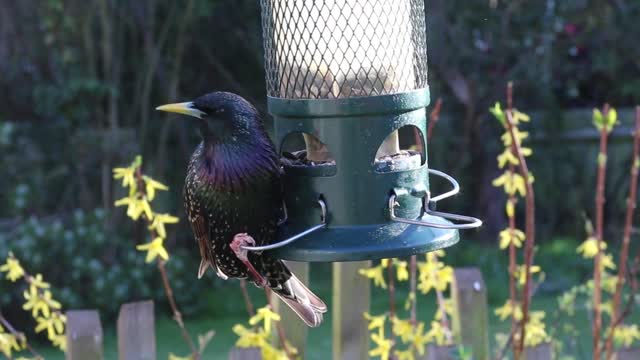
point(233, 187)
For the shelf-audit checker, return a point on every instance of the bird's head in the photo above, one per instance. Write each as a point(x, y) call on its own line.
point(223, 116)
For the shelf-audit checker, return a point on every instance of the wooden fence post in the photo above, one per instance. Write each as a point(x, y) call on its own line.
point(294, 329)
point(137, 331)
point(245, 354)
point(435, 352)
point(626, 354)
point(351, 297)
point(543, 351)
point(470, 311)
point(84, 335)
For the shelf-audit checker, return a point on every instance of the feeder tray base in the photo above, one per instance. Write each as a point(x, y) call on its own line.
point(367, 242)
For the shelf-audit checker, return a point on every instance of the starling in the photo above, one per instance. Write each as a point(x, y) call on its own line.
point(233, 198)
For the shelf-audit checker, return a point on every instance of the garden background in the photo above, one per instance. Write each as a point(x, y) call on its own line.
point(80, 80)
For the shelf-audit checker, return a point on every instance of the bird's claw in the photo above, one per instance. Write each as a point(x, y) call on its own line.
point(238, 247)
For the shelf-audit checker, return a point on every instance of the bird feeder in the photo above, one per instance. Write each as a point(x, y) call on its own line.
point(348, 78)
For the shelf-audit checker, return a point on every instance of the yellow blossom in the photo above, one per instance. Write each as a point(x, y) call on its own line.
point(521, 273)
point(536, 332)
point(151, 186)
point(266, 315)
point(39, 302)
point(512, 183)
point(383, 346)
point(448, 308)
point(511, 236)
point(60, 341)
point(519, 117)
point(126, 174)
point(154, 249)
point(606, 262)
point(375, 322)
point(410, 299)
point(8, 344)
point(510, 209)
point(437, 333)
point(136, 207)
point(53, 324)
point(507, 157)
point(433, 274)
point(376, 273)
point(249, 338)
point(12, 268)
point(402, 329)
point(420, 338)
point(506, 137)
point(159, 220)
point(509, 309)
point(589, 248)
point(625, 335)
point(38, 282)
point(404, 355)
point(401, 270)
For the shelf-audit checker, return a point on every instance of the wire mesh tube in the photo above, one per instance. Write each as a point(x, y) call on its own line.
point(328, 49)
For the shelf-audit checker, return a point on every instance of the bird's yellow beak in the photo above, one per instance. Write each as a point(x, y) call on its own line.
point(185, 108)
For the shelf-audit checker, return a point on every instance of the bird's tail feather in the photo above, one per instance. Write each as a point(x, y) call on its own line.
point(302, 301)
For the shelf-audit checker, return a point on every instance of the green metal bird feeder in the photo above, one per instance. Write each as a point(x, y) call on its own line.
point(350, 78)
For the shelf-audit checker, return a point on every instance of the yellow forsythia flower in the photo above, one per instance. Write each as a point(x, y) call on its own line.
point(626, 335)
point(402, 329)
point(249, 338)
point(38, 282)
point(375, 322)
point(136, 207)
point(512, 183)
point(376, 273)
point(8, 344)
point(53, 324)
point(158, 223)
point(536, 332)
point(401, 270)
point(39, 302)
point(383, 346)
point(437, 333)
point(154, 249)
point(509, 309)
point(521, 273)
point(589, 248)
point(511, 236)
point(12, 268)
point(420, 338)
point(266, 316)
point(151, 186)
point(404, 355)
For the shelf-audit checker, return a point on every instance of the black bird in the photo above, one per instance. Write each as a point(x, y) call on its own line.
point(233, 198)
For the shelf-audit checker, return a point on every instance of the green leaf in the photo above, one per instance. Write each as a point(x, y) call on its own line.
point(598, 119)
point(496, 110)
point(612, 119)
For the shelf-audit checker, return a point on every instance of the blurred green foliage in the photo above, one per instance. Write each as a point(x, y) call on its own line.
point(89, 267)
point(80, 80)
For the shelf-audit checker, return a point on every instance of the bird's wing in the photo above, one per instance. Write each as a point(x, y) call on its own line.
point(200, 227)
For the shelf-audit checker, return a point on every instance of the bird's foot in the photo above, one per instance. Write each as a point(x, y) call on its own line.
point(237, 245)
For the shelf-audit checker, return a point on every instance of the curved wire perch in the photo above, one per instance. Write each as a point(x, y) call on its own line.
point(469, 222)
point(323, 223)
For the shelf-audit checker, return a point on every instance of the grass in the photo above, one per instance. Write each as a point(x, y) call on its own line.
point(558, 259)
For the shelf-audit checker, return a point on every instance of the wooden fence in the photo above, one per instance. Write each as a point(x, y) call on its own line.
point(351, 297)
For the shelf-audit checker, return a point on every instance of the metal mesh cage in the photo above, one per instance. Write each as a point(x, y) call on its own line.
point(324, 49)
